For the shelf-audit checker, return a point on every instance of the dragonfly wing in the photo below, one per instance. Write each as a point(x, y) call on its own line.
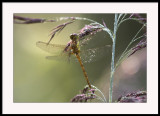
point(63, 58)
point(85, 40)
point(94, 54)
point(57, 51)
point(51, 48)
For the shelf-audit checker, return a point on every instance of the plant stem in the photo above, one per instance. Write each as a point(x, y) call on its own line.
point(113, 57)
point(100, 93)
point(112, 72)
point(134, 39)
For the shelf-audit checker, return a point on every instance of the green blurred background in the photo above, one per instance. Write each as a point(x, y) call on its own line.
point(37, 79)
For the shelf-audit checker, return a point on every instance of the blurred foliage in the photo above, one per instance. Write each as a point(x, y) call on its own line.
point(37, 79)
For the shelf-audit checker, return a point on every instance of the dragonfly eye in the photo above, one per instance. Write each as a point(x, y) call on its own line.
point(74, 36)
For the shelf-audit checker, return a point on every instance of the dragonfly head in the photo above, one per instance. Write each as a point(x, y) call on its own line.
point(74, 37)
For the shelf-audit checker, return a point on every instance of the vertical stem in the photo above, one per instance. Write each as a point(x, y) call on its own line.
point(112, 73)
point(84, 72)
point(112, 62)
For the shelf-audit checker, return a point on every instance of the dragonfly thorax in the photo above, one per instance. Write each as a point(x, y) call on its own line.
point(74, 47)
point(74, 43)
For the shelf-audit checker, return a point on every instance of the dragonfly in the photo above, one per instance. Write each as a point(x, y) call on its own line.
point(71, 52)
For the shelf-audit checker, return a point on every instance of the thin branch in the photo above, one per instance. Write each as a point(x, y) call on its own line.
point(100, 92)
point(130, 19)
point(134, 38)
point(25, 20)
